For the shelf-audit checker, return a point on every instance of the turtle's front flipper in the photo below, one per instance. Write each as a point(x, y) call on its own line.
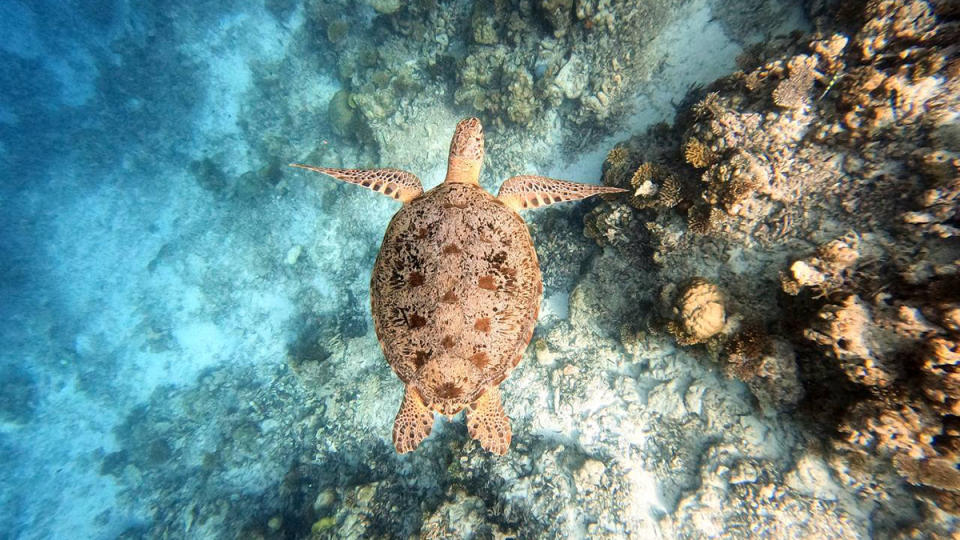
point(487, 423)
point(523, 192)
point(413, 423)
point(395, 183)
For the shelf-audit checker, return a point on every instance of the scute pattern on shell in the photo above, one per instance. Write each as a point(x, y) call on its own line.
point(455, 294)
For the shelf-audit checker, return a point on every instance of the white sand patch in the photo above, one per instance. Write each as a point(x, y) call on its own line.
point(201, 343)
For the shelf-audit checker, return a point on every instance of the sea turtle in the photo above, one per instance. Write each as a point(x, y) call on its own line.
point(456, 287)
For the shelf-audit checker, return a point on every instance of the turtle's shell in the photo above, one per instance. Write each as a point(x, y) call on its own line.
point(455, 294)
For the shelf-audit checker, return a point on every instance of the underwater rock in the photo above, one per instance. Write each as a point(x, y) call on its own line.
point(509, 61)
point(941, 372)
point(340, 113)
point(826, 271)
point(848, 332)
point(461, 516)
point(209, 175)
point(558, 13)
point(571, 79)
point(384, 7)
point(767, 365)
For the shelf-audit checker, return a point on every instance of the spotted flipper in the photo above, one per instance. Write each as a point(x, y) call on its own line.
point(413, 424)
point(395, 183)
point(487, 423)
point(524, 192)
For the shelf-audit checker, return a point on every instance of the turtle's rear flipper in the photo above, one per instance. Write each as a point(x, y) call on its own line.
point(487, 423)
point(413, 424)
point(523, 192)
point(395, 183)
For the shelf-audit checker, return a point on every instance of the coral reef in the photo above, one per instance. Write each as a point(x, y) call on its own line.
point(819, 190)
point(827, 270)
point(767, 365)
point(697, 311)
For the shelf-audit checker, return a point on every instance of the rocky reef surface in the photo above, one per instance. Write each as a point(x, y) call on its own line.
point(815, 191)
point(760, 340)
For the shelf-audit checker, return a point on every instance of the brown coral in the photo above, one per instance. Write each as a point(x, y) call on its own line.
point(936, 472)
point(826, 271)
point(709, 106)
point(643, 174)
point(941, 368)
point(732, 181)
point(744, 350)
point(794, 91)
point(849, 334)
point(618, 156)
point(670, 193)
point(892, 428)
point(654, 186)
point(698, 312)
point(614, 166)
point(703, 219)
point(768, 367)
point(940, 211)
point(830, 50)
point(698, 154)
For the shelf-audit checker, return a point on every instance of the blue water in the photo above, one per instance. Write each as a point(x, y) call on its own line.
point(171, 293)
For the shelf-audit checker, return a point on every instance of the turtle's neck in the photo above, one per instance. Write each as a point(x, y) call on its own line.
point(463, 170)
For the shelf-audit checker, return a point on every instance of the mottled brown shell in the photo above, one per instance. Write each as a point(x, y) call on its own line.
point(455, 294)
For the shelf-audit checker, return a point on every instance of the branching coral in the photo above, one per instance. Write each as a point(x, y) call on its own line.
point(794, 92)
point(655, 186)
point(709, 106)
point(733, 180)
point(698, 154)
point(670, 193)
point(614, 167)
point(703, 219)
point(618, 156)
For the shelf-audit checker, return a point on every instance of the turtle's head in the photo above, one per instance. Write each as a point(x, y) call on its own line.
point(466, 152)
